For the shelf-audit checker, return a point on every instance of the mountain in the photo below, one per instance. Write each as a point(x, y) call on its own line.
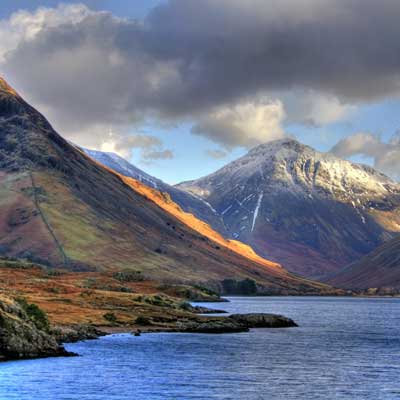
point(120, 165)
point(379, 269)
point(312, 211)
point(187, 201)
point(60, 207)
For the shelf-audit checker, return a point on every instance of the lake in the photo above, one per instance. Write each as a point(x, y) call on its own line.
point(344, 348)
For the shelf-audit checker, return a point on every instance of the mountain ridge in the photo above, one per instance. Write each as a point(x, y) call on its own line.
point(188, 202)
point(312, 210)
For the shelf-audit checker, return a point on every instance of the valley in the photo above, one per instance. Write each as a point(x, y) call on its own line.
point(100, 246)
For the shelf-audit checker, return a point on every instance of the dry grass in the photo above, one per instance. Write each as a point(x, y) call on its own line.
point(84, 298)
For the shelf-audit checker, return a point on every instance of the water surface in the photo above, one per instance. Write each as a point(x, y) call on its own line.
point(345, 348)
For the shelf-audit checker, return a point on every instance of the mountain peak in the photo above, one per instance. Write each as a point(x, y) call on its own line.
point(26, 137)
point(283, 146)
point(11, 103)
point(284, 142)
point(6, 89)
point(312, 210)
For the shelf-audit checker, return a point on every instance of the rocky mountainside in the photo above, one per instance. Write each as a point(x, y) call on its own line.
point(61, 208)
point(379, 269)
point(312, 211)
point(187, 201)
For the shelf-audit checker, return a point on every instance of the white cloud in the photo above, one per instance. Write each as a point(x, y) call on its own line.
point(314, 108)
point(157, 155)
point(24, 25)
point(150, 147)
point(244, 124)
point(216, 154)
point(386, 156)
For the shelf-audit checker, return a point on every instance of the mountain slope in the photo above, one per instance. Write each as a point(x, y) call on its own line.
point(379, 269)
point(60, 207)
point(312, 211)
point(187, 201)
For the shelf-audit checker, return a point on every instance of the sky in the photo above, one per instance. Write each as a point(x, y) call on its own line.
point(182, 87)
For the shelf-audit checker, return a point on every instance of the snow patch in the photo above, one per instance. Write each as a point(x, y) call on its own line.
point(226, 210)
point(255, 215)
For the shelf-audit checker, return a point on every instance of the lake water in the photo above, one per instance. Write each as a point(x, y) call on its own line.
point(345, 348)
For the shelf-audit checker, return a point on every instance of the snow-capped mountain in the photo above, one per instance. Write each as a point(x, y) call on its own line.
point(312, 211)
point(187, 201)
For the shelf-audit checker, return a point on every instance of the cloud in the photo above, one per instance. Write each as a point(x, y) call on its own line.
point(150, 147)
point(216, 154)
point(124, 144)
point(157, 155)
point(311, 108)
point(202, 60)
point(245, 124)
point(25, 26)
point(386, 156)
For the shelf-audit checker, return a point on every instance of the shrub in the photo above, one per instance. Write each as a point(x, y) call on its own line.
point(35, 314)
point(128, 276)
point(185, 306)
point(245, 287)
point(110, 317)
point(142, 320)
point(206, 290)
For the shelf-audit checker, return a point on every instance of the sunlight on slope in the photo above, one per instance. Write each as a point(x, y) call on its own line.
point(164, 201)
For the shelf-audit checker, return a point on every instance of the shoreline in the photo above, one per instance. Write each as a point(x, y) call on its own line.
point(58, 337)
point(164, 318)
point(233, 323)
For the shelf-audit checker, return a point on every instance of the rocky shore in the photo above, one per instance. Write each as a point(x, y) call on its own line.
point(234, 323)
point(205, 324)
point(25, 332)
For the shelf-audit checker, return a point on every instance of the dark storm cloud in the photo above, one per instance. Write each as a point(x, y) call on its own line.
point(189, 57)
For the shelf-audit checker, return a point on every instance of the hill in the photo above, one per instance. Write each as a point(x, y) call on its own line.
point(380, 270)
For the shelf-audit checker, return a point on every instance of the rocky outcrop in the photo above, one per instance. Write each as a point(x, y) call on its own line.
point(236, 323)
point(206, 310)
point(76, 333)
point(263, 320)
point(205, 324)
point(25, 333)
point(210, 325)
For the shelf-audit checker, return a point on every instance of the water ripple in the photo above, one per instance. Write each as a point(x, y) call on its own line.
point(344, 349)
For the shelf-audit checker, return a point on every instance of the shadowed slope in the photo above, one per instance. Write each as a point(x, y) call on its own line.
point(379, 269)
